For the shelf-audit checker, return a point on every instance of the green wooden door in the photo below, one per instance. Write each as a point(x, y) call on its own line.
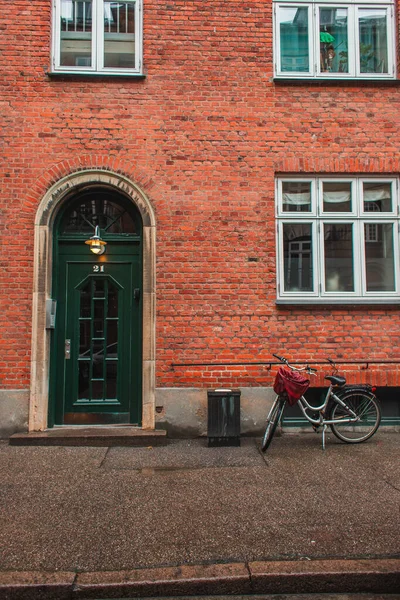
point(96, 374)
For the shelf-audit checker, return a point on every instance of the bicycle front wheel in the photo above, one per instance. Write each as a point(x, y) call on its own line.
point(366, 407)
point(274, 416)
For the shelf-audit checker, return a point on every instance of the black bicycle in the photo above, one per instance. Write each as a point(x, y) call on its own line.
point(352, 411)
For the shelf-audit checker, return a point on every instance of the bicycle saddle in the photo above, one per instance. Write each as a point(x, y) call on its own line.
point(336, 380)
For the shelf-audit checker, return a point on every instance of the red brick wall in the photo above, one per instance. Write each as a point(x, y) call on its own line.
point(204, 135)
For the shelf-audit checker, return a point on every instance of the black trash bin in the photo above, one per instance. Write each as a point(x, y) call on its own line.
point(223, 417)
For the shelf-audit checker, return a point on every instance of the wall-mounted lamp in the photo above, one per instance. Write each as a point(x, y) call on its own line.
point(97, 245)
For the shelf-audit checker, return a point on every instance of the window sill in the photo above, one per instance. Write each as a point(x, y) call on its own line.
point(337, 80)
point(394, 301)
point(90, 74)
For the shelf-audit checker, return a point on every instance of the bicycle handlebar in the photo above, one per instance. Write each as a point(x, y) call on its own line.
point(307, 368)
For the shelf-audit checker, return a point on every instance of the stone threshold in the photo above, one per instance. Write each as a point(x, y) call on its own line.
point(91, 436)
point(276, 577)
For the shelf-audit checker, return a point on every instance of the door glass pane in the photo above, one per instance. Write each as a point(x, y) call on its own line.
point(98, 366)
point(379, 257)
point(337, 196)
point(293, 31)
point(333, 40)
point(84, 338)
point(99, 207)
point(112, 310)
point(98, 328)
point(98, 288)
point(83, 379)
point(98, 340)
point(338, 250)
point(86, 297)
point(373, 40)
point(111, 388)
point(298, 257)
point(119, 35)
point(97, 390)
point(296, 196)
point(98, 308)
point(377, 197)
point(112, 333)
point(76, 33)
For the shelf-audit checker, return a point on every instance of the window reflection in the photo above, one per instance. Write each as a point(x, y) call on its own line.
point(298, 257)
point(338, 251)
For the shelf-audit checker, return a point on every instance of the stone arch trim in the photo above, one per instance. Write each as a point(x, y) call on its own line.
point(121, 166)
point(50, 205)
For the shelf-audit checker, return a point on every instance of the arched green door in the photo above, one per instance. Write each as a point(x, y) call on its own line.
point(96, 361)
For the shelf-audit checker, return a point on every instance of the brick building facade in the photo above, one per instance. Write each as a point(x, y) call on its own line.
point(213, 142)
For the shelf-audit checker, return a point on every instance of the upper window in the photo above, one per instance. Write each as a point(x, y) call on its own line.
point(97, 36)
point(334, 40)
point(338, 240)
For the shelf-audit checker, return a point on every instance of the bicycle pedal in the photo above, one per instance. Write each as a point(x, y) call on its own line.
point(315, 427)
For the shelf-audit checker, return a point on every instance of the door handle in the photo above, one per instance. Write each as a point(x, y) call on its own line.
point(67, 349)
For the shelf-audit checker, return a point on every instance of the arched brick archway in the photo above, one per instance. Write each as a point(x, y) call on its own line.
point(48, 209)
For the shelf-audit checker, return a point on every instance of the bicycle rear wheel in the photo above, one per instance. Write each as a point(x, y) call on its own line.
point(274, 416)
point(366, 407)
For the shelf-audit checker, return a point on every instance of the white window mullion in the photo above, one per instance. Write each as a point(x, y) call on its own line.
point(313, 42)
point(353, 52)
point(98, 35)
point(138, 35)
point(56, 34)
point(391, 41)
point(396, 234)
point(359, 259)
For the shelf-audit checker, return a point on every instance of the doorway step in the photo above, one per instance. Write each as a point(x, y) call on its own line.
point(91, 436)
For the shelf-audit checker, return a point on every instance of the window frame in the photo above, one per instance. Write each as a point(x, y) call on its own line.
point(358, 218)
point(97, 42)
point(353, 7)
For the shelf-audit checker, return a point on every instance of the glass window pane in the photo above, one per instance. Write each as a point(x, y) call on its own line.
point(84, 338)
point(377, 197)
point(98, 308)
point(76, 33)
point(333, 39)
point(338, 251)
point(112, 308)
point(119, 35)
point(86, 297)
point(297, 244)
point(83, 379)
point(112, 333)
point(296, 196)
point(379, 257)
point(293, 30)
point(98, 288)
point(373, 48)
point(337, 196)
point(98, 365)
point(111, 383)
point(97, 390)
point(98, 209)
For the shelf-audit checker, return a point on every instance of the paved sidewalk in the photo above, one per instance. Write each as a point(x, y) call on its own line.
point(229, 520)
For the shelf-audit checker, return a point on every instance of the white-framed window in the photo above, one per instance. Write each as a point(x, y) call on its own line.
point(334, 39)
point(337, 239)
point(97, 36)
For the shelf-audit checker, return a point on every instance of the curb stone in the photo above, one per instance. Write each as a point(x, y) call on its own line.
point(269, 577)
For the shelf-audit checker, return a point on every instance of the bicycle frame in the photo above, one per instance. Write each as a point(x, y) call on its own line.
point(304, 406)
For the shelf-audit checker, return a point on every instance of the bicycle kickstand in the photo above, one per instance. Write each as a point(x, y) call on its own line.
point(325, 427)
